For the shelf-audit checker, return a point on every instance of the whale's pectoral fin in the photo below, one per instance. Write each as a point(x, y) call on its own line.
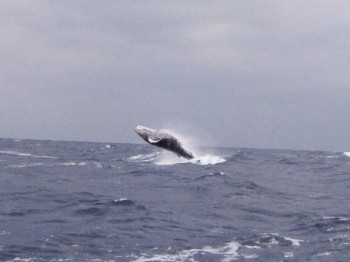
point(152, 140)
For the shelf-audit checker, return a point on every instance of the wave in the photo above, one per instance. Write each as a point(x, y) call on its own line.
point(347, 154)
point(144, 157)
point(13, 153)
point(72, 163)
point(19, 259)
point(228, 252)
point(65, 164)
point(26, 165)
point(123, 202)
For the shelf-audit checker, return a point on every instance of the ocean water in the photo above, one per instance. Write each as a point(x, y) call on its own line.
point(79, 201)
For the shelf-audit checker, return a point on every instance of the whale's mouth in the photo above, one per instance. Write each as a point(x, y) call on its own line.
point(145, 132)
point(139, 128)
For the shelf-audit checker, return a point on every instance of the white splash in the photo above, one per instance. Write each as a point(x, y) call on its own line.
point(209, 160)
point(167, 158)
point(200, 157)
point(347, 154)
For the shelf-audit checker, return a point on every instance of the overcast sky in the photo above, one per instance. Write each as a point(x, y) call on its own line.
point(261, 74)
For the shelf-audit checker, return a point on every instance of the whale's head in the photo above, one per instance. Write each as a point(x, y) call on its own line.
point(145, 132)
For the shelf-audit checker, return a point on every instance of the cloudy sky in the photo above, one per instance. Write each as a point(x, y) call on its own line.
point(261, 74)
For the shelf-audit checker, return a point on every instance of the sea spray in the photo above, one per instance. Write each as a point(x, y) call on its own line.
point(200, 157)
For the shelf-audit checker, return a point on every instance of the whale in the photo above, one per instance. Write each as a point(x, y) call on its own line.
point(163, 139)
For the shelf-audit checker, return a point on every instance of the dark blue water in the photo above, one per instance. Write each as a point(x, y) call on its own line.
point(73, 201)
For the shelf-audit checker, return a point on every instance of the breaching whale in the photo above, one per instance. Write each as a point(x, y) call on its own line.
point(163, 139)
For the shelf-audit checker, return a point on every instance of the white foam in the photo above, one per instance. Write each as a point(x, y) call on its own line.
point(13, 153)
point(18, 259)
point(295, 242)
point(288, 254)
point(71, 163)
point(228, 251)
point(250, 256)
point(135, 157)
point(251, 247)
point(68, 164)
point(120, 200)
point(337, 218)
point(144, 158)
point(276, 236)
point(347, 154)
point(323, 254)
point(273, 241)
point(26, 165)
point(338, 237)
point(330, 157)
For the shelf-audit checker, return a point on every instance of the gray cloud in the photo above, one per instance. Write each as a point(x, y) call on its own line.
point(270, 74)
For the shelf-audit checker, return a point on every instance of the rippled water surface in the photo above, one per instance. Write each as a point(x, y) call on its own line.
point(75, 201)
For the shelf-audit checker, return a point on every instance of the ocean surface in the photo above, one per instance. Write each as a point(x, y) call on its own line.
point(81, 201)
